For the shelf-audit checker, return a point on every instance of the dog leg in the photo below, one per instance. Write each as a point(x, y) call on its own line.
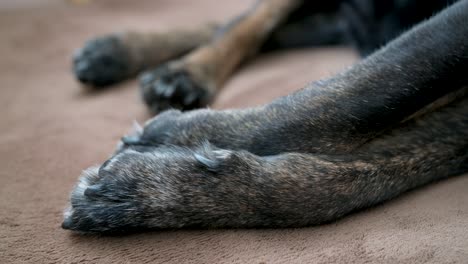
point(110, 59)
point(192, 81)
point(174, 187)
point(339, 114)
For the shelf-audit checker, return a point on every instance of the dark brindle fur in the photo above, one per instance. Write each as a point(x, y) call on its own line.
point(396, 120)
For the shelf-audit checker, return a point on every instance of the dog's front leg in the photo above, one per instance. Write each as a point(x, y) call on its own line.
point(174, 187)
point(341, 113)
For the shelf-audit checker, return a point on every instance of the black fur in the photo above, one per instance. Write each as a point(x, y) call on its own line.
point(365, 24)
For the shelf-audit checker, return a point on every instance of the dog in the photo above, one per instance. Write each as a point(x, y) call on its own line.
point(394, 121)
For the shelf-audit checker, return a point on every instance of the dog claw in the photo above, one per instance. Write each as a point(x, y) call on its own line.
point(130, 140)
point(67, 223)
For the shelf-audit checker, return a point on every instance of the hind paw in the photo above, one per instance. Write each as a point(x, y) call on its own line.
point(165, 88)
point(102, 61)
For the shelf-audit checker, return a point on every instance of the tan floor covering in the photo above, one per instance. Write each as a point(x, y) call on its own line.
point(50, 129)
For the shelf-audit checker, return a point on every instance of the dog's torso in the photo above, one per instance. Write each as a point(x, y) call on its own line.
point(365, 24)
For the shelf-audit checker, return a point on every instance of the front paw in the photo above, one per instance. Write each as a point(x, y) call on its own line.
point(100, 203)
point(172, 128)
point(165, 188)
point(102, 61)
point(173, 87)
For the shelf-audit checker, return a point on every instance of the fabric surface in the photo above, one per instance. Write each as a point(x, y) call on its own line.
point(51, 129)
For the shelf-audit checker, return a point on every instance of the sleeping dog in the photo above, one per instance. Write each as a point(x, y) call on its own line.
point(396, 120)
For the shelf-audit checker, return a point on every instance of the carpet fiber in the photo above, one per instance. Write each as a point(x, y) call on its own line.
point(51, 128)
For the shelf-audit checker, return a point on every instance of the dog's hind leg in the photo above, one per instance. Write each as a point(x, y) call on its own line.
point(110, 59)
point(192, 81)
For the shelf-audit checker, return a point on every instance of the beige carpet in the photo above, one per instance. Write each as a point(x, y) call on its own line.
point(50, 129)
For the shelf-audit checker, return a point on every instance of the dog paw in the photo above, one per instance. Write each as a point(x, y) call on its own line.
point(102, 61)
point(98, 204)
point(119, 196)
point(160, 130)
point(167, 87)
point(164, 188)
point(173, 128)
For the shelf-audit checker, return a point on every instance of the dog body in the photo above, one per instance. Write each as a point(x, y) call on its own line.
point(396, 120)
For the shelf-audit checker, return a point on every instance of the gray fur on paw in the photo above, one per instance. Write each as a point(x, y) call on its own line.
point(155, 133)
point(168, 187)
point(165, 88)
point(102, 61)
point(108, 199)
